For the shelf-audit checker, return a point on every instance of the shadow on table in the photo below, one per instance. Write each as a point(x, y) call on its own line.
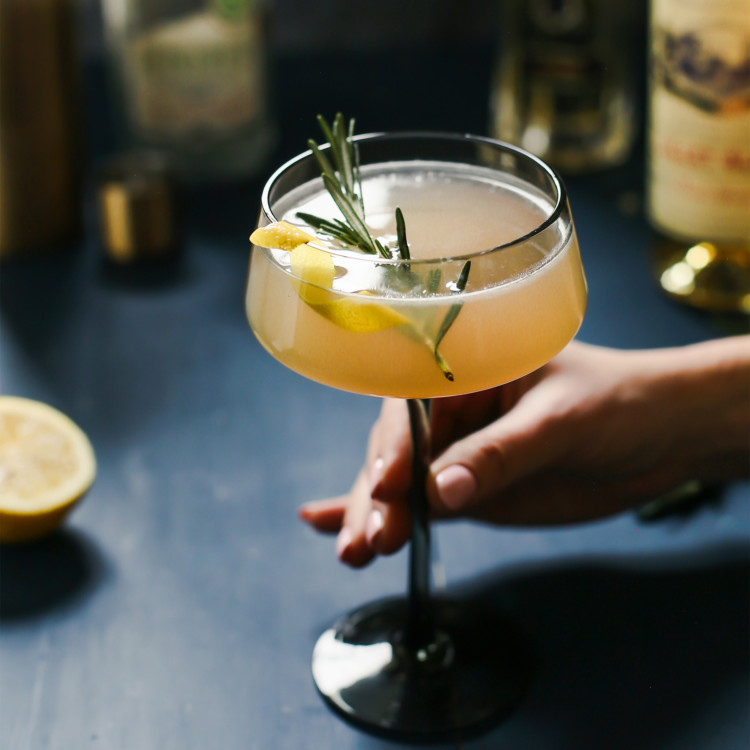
point(38, 296)
point(145, 275)
point(60, 571)
point(629, 652)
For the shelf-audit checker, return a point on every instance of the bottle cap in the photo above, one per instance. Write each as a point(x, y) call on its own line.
point(138, 208)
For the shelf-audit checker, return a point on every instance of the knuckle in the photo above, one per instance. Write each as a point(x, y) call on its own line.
point(494, 462)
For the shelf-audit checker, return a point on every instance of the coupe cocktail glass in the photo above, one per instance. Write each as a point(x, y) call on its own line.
point(420, 666)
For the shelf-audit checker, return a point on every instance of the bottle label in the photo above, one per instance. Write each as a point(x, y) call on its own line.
point(699, 132)
point(200, 77)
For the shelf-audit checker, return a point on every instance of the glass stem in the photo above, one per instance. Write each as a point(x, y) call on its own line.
point(419, 623)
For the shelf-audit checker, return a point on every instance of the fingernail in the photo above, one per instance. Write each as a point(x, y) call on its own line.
point(373, 525)
point(376, 476)
point(342, 542)
point(455, 486)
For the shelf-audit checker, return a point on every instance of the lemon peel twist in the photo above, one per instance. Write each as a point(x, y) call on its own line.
point(316, 272)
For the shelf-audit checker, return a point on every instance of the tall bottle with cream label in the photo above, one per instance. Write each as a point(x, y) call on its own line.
point(191, 81)
point(699, 150)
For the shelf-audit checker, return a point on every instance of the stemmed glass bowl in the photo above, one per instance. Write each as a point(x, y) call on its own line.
point(494, 288)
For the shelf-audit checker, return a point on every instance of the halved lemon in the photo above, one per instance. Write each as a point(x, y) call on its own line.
point(46, 466)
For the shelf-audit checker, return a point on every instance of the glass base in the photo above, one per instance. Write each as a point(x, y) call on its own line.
point(469, 675)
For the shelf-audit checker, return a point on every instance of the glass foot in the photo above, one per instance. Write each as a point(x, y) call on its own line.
point(469, 675)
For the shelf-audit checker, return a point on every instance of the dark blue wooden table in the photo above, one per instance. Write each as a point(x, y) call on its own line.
point(178, 608)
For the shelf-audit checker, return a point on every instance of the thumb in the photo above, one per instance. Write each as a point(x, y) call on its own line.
point(475, 469)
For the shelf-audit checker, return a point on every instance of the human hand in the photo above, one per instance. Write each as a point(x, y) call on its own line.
point(592, 433)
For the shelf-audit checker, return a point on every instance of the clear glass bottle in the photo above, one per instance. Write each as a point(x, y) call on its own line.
point(564, 81)
point(191, 80)
point(699, 150)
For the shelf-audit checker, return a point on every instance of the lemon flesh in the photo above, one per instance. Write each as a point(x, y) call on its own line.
point(316, 271)
point(46, 465)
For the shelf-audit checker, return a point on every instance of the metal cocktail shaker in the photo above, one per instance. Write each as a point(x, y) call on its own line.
point(40, 164)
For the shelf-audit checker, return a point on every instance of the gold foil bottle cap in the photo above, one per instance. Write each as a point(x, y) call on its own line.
point(138, 208)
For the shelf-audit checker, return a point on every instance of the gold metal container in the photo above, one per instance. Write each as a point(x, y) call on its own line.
point(138, 212)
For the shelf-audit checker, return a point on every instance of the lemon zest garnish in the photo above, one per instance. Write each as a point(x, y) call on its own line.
point(360, 317)
point(281, 235)
point(315, 270)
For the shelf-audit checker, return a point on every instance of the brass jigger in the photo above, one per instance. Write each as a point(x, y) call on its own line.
point(138, 209)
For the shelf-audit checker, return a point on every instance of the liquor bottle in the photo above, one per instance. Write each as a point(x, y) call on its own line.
point(698, 189)
point(564, 81)
point(190, 80)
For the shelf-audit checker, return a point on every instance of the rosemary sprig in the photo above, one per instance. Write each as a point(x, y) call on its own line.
point(403, 245)
point(453, 311)
point(433, 280)
point(343, 181)
point(334, 228)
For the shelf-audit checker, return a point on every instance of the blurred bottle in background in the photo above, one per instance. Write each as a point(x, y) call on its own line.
point(40, 148)
point(191, 80)
point(699, 150)
point(564, 81)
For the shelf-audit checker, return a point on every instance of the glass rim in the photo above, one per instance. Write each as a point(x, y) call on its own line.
point(550, 220)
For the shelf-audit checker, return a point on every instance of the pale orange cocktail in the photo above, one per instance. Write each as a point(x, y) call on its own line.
point(521, 305)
